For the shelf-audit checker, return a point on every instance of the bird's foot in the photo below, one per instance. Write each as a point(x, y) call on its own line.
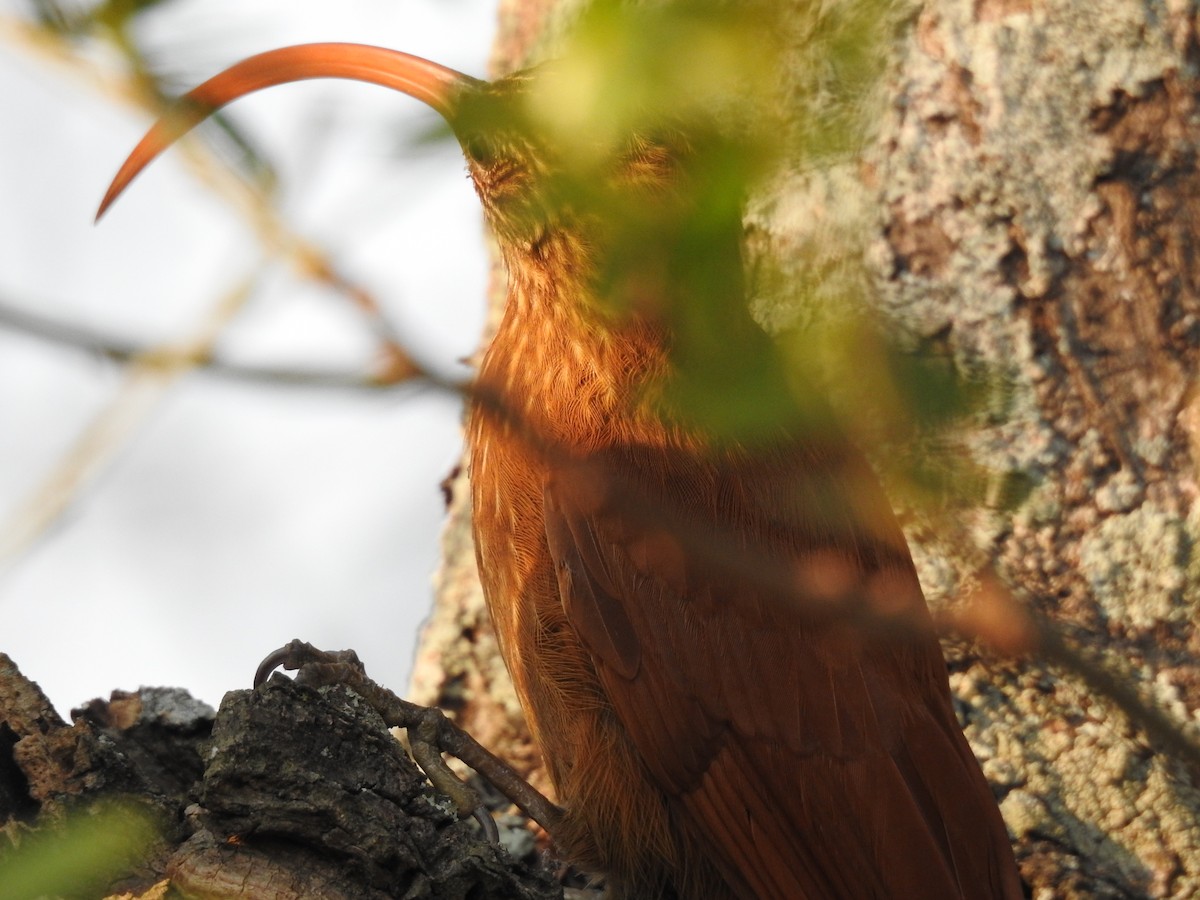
point(430, 734)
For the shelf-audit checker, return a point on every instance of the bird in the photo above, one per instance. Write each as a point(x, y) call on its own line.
point(696, 624)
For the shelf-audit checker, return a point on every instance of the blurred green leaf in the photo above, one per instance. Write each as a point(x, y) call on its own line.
point(646, 138)
point(119, 14)
point(80, 857)
point(932, 391)
point(630, 67)
point(1009, 490)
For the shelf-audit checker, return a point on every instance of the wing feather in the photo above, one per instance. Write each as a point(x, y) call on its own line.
point(812, 757)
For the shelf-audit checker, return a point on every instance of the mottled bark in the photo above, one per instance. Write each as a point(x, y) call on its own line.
point(1027, 202)
point(1037, 189)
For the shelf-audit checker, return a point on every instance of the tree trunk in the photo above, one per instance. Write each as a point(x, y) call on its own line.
point(1028, 196)
point(1037, 191)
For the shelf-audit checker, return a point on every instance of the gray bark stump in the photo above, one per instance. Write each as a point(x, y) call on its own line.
point(287, 792)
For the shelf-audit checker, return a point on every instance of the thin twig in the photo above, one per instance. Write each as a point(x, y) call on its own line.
point(122, 350)
point(1158, 725)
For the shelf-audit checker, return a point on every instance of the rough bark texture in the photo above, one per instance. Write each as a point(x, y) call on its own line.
point(1038, 188)
point(1029, 200)
point(288, 792)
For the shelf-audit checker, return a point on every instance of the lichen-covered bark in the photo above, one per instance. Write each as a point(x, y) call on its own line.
point(1037, 194)
point(1028, 200)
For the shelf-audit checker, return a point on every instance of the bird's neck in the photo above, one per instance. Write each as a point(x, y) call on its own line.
point(571, 372)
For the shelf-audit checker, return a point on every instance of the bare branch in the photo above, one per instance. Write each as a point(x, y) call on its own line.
point(397, 372)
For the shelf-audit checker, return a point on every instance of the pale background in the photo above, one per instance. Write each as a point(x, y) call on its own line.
point(238, 516)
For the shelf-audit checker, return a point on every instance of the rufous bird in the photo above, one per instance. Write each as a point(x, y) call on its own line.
point(711, 730)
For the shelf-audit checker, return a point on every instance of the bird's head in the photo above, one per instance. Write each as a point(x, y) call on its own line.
point(515, 166)
point(627, 216)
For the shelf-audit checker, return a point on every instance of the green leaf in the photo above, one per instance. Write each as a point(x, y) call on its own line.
point(82, 856)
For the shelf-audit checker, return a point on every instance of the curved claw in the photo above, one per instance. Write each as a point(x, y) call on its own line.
point(488, 824)
point(429, 82)
point(273, 661)
point(296, 654)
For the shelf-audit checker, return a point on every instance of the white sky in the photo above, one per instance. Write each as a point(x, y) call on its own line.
point(238, 517)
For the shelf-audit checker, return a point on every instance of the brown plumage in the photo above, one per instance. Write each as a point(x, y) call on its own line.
point(675, 611)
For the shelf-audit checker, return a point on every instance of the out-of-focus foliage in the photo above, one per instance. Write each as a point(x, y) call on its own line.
point(82, 857)
point(630, 68)
point(648, 133)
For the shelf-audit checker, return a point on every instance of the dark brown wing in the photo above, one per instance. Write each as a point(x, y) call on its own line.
point(813, 757)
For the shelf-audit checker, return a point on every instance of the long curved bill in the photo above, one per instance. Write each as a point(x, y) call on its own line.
point(427, 81)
